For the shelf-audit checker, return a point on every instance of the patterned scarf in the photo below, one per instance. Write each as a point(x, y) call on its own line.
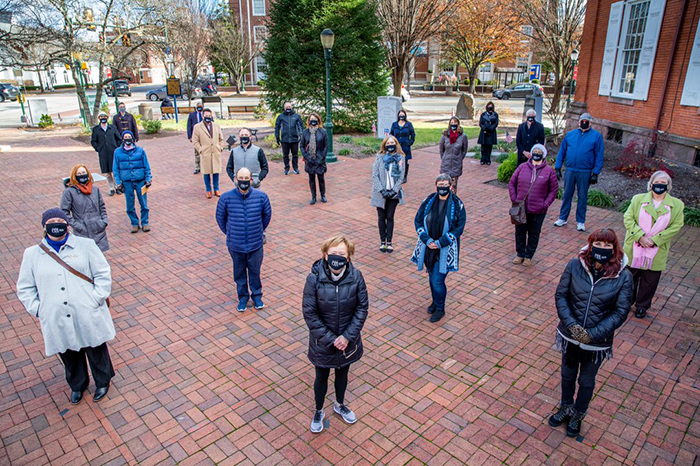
point(395, 169)
point(312, 143)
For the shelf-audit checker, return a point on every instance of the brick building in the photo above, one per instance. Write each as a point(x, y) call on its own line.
point(639, 74)
point(252, 15)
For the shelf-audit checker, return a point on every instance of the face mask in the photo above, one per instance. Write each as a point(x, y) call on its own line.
point(244, 184)
point(83, 179)
point(128, 142)
point(313, 122)
point(659, 188)
point(585, 124)
point(443, 190)
point(245, 140)
point(337, 262)
point(122, 110)
point(199, 109)
point(103, 120)
point(530, 119)
point(601, 255)
point(453, 127)
point(402, 117)
point(287, 111)
point(56, 229)
point(391, 148)
point(536, 156)
point(208, 119)
point(489, 109)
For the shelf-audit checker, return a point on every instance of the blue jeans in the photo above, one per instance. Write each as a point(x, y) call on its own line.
point(573, 180)
point(437, 286)
point(129, 188)
point(207, 182)
point(246, 271)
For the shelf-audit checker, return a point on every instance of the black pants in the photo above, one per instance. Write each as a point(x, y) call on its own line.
point(386, 219)
point(586, 369)
point(294, 147)
point(321, 385)
point(77, 368)
point(486, 153)
point(405, 173)
point(645, 284)
point(527, 236)
point(321, 184)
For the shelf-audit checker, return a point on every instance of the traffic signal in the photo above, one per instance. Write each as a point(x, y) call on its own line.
point(89, 18)
point(126, 40)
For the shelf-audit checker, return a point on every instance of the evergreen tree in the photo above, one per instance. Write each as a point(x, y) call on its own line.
point(296, 64)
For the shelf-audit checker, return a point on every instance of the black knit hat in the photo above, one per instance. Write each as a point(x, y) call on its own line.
point(53, 213)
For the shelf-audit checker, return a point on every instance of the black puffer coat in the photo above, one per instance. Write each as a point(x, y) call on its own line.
point(332, 309)
point(600, 308)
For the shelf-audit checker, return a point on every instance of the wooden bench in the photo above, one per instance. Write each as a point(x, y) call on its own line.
point(240, 108)
point(180, 110)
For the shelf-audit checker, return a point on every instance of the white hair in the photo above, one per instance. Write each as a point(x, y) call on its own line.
point(531, 112)
point(541, 148)
point(656, 176)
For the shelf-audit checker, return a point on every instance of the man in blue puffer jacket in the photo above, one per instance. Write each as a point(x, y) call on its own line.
point(243, 214)
point(582, 153)
point(131, 173)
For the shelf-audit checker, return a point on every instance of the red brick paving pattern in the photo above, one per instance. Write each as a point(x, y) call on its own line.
point(198, 383)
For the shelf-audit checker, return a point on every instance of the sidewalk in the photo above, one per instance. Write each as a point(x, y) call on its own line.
point(198, 383)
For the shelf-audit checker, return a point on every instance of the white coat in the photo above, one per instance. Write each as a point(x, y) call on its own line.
point(73, 313)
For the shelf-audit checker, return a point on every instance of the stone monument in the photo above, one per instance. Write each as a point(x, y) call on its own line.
point(387, 108)
point(465, 107)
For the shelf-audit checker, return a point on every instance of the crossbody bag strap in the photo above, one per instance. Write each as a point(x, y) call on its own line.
point(64, 265)
point(531, 185)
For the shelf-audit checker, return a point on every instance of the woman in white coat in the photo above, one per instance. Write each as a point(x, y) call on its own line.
point(73, 312)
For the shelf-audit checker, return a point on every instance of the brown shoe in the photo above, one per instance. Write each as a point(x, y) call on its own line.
point(146, 228)
point(217, 193)
point(518, 260)
point(208, 194)
point(527, 262)
point(134, 229)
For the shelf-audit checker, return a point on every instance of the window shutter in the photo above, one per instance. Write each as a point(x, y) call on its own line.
point(691, 88)
point(610, 54)
point(648, 53)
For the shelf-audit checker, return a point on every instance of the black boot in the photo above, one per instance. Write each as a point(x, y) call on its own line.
point(431, 308)
point(437, 315)
point(313, 200)
point(574, 426)
point(640, 313)
point(323, 198)
point(561, 416)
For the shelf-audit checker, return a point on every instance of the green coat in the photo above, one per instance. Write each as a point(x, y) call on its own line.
point(663, 239)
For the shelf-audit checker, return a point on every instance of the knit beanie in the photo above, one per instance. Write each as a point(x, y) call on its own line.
point(53, 213)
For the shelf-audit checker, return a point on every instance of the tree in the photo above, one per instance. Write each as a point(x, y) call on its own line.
point(405, 25)
point(296, 65)
point(481, 32)
point(229, 49)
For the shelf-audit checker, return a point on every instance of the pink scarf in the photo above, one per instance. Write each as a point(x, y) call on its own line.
point(643, 257)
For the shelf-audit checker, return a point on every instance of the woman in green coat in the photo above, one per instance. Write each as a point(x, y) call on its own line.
point(652, 220)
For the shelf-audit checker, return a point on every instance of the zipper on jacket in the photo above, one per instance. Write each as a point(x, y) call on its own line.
point(337, 316)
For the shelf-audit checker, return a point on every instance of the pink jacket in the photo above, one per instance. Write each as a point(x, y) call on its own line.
point(543, 192)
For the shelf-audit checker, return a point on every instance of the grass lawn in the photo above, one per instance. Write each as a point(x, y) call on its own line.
point(427, 134)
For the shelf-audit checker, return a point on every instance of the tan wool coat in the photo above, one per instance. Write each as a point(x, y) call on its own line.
point(209, 147)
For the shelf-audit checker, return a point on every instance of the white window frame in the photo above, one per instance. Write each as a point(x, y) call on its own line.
point(256, 34)
point(632, 36)
point(259, 61)
point(691, 87)
point(256, 12)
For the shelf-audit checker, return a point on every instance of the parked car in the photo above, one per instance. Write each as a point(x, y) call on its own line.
point(404, 93)
point(8, 92)
point(122, 88)
point(161, 93)
point(520, 90)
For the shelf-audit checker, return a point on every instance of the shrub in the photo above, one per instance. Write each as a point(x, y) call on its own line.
point(506, 146)
point(502, 158)
point(476, 155)
point(345, 151)
point(692, 216)
point(560, 193)
point(635, 163)
point(507, 168)
point(261, 112)
point(535, 81)
point(624, 205)
point(345, 139)
point(598, 198)
point(45, 121)
point(152, 126)
point(270, 139)
point(275, 157)
point(369, 151)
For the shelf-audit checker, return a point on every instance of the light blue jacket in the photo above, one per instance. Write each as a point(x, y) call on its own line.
point(581, 151)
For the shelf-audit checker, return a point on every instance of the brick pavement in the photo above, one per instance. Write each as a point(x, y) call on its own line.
point(198, 383)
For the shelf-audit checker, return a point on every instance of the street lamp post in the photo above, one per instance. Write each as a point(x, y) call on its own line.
point(327, 39)
point(574, 61)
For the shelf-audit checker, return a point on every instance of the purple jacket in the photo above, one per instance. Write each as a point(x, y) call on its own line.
point(543, 192)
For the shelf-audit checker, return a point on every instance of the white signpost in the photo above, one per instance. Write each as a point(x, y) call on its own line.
point(387, 108)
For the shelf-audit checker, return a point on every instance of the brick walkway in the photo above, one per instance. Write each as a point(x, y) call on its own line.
point(198, 383)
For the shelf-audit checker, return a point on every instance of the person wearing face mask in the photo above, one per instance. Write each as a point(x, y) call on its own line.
point(387, 193)
point(581, 151)
point(453, 148)
point(193, 119)
point(132, 172)
point(652, 220)
point(488, 135)
point(314, 147)
point(125, 121)
point(247, 155)
point(209, 142)
point(593, 299)
point(439, 224)
point(335, 306)
point(403, 131)
point(105, 139)
point(536, 183)
point(530, 132)
point(288, 129)
point(65, 282)
point(84, 206)
point(243, 214)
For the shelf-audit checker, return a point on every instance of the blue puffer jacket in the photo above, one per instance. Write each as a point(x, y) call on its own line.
point(131, 165)
point(243, 218)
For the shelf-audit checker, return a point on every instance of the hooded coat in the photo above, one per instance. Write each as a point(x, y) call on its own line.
point(543, 192)
point(131, 164)
point(379, 179)
point(87, 214)
point(334, 308)
point(452, 155)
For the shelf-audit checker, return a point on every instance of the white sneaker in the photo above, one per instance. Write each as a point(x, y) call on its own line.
point(344, 411)
point(317, 422)
point(560, 223)
point(581, 226)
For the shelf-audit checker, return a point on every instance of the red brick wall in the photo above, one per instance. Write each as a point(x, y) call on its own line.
point(676, 119)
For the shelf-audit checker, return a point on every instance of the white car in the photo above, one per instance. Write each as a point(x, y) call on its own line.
point(405, 96)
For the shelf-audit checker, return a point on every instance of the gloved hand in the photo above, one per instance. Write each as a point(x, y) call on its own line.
point(579, 333)
point(559, 175)
point(119, 189)
point(148, 184)
point(392, 194)
point(594, 179)
point(384, 193)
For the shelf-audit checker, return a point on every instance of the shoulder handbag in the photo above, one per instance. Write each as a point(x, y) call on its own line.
point(68, 267)
point(518, 214)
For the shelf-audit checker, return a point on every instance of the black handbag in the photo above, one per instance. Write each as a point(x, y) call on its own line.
point(518, 213)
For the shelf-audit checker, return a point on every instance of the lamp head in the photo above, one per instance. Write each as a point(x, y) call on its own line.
point(327, 39)
point(574, 55)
